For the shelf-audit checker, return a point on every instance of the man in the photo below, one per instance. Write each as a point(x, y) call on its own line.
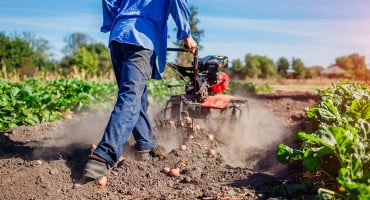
point(138, 43)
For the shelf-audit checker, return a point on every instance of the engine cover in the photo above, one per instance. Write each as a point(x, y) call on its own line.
point(211, 65)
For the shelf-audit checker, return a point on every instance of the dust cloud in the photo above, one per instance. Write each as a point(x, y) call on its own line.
point(86, 129)
point(252, 142)
point(77, 133)
point(82, 131)
point(168, 138)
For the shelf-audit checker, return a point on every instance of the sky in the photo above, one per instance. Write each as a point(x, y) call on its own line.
point(315, 31)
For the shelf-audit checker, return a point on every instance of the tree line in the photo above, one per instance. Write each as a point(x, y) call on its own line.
point(27, 55)
point(352, 66)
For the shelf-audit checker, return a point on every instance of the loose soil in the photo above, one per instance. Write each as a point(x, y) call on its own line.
point(46, 161)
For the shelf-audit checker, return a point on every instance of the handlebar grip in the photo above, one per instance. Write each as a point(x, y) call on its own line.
point(183, 50)
point(176, 49)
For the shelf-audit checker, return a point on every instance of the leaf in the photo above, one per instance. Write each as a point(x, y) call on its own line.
point(329, 111)
point(285, 154)
point(355, 105)
point(357, 167)
point(344, 138)
point(344, 178)
point(312, 164)
point(311, 113)
point(32, 119)
point(365, 111)
point(327, 142)
point(14, 91)
point(354, 110)
point(313, 157)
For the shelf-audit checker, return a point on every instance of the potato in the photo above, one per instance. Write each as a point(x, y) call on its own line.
point(175, 172)
point(101, 182)
point(211, 152)
point(210, 137)
point(166, 170)
point(92, 147)
point(39, 162)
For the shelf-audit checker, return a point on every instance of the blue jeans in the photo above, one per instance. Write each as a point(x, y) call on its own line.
point(132, 67)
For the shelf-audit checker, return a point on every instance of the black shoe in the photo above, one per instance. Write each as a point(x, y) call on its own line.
point(95, 167)
point(157, 151)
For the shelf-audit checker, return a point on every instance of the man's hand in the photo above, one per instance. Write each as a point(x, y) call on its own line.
point(190, 44)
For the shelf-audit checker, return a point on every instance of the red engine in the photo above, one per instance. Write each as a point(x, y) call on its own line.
point(210, 71)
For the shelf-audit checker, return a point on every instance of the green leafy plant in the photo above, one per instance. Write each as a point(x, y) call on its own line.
point(34, 101)
point(159, 91)
point(336, 141)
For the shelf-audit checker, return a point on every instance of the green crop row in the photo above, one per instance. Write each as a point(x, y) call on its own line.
point(34, 101)
point(336, 143)
point(160, 91)
point(242, 87)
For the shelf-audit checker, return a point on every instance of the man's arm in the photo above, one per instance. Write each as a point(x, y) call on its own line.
point(180, 12)
point(190, 44)
point(110, 12)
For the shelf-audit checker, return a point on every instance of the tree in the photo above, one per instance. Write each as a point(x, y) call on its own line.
point(259, 66)
point(4, 44)
point(103, 56)
point(13, 50)
point(66, 63)
point(41, 48)
point(238, 69)
point(94, 58)
point(25, 53)
point(74, 42)
point(86, 60)
point(252, 66)
point(345, 63)
point(299, 68)
point(194, 22)
point(354, 65)
point(237, 65)
point(314, 71)
point(268, 68)
point(282, 67)
point(359, 63)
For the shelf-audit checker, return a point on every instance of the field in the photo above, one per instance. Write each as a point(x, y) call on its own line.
point(45, 161)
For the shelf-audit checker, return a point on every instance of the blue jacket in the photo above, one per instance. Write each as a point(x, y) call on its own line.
point(144, 23)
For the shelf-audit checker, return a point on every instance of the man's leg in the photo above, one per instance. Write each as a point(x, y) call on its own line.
point(143, 131)
point(135, 67)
